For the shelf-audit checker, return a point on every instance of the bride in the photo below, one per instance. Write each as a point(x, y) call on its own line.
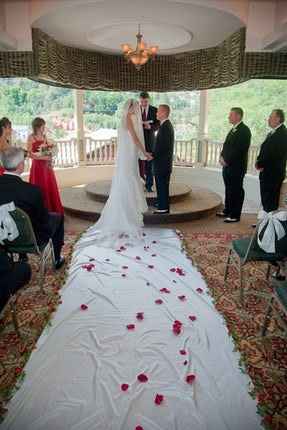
point(122, 216)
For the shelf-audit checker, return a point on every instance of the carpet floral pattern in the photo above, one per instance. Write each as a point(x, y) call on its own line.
point(34, 311)
point(265, 360)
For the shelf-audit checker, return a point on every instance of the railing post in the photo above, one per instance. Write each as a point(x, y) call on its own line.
point(79, 122)
point(202, 128)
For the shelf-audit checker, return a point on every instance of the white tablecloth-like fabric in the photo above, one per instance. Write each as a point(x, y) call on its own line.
point(73, 378)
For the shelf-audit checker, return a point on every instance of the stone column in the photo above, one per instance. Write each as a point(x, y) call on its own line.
point(79, 123)
point(203, 128)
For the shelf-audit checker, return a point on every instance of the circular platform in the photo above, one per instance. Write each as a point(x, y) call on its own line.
point(100, 190)
point(194, 205)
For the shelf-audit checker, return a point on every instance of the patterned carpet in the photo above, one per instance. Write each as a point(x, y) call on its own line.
point(265, 360)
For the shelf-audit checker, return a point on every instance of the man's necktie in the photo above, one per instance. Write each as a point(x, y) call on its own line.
point(144, 115)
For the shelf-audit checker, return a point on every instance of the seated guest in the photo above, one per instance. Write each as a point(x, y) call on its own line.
point(42, 173)
point(12, 277)
point(29, 198)
point(5, 137)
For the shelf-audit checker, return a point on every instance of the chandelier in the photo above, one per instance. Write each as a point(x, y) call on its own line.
point(141, 54)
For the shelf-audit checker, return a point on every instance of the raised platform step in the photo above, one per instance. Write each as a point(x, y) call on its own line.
point(100, 190)
point(197, 204)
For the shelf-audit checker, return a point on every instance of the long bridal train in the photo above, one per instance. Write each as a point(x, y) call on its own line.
point(135, 342)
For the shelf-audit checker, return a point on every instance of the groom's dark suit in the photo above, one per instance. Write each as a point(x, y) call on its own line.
point(162, 162)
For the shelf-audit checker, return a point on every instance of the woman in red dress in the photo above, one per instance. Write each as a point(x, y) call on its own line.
point(5, 137)
point(42, 173)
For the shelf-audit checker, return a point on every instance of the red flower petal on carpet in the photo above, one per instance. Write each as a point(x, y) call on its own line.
point(124, 387)
point(88, 267)
point(180, 271)
point(164, 290)
point(84, 307)
point(140, 316)
point(190, 378)
point(182, 298)
point(131, 326)
point(159, 398)
point(142, 377)
point(173, 269)
point(182, 352)
point(139, 428)
point(192, 317)
point(158, 301)
point(123, 248)
point(199, 290)
point(177, 322)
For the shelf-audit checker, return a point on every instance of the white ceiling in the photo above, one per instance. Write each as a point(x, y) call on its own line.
point(102, 25)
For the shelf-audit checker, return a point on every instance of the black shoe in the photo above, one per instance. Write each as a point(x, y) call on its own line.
point(161, 211)
point(221, 214)
point(59, 263)
point(229, 220)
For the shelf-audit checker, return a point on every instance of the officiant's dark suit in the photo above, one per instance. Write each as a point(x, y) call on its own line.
point(162, 163)
point(148, 114)
point(235, 157)
point(29, 198)
point(271, 162)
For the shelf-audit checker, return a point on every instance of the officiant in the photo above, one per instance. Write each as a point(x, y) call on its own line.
point(150, 125)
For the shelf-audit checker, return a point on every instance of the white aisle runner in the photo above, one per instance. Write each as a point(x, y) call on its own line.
point(74, 378)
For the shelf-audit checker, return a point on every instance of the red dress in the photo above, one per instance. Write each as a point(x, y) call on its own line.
point(42, 174)
point(2, 170)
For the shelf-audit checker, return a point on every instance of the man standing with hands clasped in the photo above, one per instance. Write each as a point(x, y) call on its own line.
point(234, 157)
point(271, 161)
point(150, 125)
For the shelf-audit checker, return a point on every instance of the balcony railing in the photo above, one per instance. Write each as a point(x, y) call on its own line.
point(191, 152)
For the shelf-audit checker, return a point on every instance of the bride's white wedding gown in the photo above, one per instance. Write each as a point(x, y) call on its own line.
point(122, 216)
point(117, 321)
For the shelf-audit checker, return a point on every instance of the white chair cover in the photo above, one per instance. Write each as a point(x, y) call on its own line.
point(274, 229)
point(8, 228)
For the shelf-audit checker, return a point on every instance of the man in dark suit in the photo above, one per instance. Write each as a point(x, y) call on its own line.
point(234, 157)
point(271, 161)
point(163, 157)
point(12, 277)
point(150, 125)
point(29, 198)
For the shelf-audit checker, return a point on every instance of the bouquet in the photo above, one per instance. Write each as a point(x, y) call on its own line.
point(49, 150)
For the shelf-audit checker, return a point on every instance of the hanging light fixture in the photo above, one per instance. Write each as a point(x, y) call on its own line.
point(141, 54)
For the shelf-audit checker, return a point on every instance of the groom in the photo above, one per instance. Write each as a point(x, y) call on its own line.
point(162, 161)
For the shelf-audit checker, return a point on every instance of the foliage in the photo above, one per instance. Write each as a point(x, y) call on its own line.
point(23, 99)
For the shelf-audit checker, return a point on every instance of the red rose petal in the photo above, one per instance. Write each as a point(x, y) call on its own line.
point(190, 378)
point(182, 298)
point(159, 398)
point(158, 301)
point(131, 326)
point(164, 290)
point(192, 317)
point(88, 267)
point(176, 329)
point(140, 316)
point(84, 307)
point(142, 377)
point(124, 387)
point(172, 269)
point(123, 248)
point(199, 290)
point(139, 428)
point(177, 322)
point(182, 352)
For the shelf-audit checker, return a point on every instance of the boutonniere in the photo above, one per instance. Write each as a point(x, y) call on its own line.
point(234, 130)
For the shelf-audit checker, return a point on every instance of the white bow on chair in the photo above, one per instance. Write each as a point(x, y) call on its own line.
point(274, 229)
point(8, 228)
